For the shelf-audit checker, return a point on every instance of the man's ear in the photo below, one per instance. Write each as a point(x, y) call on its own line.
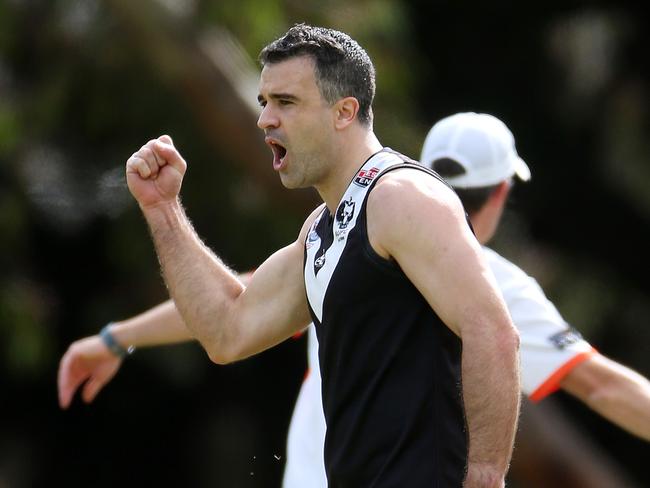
point(346, 110)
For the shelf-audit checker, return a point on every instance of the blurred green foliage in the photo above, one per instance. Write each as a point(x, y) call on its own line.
point(79, 93)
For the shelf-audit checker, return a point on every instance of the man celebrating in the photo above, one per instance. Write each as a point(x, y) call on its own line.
point(418, 354)
point(387, 268)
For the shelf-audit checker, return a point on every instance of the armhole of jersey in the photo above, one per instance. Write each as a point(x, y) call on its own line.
point(552, 383)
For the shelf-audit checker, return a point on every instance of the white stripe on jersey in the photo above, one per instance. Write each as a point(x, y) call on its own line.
point(317, 281)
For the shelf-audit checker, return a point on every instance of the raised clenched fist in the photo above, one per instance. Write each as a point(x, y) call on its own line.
point(155, 172)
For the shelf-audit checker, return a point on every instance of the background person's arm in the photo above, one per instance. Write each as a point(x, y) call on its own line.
point(89, 361)
point(553, 355)
point(421, 224)
point(616, 392)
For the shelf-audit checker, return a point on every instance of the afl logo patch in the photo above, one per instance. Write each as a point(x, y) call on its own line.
point(365, 177)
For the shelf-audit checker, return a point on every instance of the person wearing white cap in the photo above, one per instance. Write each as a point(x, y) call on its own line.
point(476, 154)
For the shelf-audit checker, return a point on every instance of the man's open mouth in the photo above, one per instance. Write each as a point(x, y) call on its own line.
point(279, 152)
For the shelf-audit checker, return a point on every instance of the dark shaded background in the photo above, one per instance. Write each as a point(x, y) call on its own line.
point(82, 87)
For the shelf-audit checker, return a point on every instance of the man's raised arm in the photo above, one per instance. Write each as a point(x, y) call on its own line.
point(229, 320)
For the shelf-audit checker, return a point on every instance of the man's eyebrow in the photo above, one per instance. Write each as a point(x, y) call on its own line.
point(277, 96)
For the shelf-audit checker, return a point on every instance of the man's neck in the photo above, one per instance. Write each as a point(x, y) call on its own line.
point(347, 160)
point(481, 224)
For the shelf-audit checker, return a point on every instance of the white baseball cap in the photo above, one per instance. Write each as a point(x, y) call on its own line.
point(481, 144)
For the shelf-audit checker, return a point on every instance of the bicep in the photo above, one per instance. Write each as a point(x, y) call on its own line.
point(273, 305)
point(442, 257)
point(449, 271)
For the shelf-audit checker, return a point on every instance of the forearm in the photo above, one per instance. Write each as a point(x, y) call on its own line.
point(614, 391)
point(157, 326)
point(627, 406)
point(202, 287)
point(491, 392)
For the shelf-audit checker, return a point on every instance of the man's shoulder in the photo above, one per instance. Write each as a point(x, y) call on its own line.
point(411, 182)
point(406, 206)
point(405, 202)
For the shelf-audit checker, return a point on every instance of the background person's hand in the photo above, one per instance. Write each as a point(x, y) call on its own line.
point(155, 172)
point(86, 361)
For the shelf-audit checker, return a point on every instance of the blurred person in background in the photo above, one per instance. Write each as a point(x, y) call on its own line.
point(395, 335)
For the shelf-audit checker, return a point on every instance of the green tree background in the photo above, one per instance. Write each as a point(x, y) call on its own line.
point(84, 83)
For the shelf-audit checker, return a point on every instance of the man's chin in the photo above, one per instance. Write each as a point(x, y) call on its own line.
point(290, 183)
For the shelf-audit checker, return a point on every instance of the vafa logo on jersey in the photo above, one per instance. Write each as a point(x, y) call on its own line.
point(312, 236)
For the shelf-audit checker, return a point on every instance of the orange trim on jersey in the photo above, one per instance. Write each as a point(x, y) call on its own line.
point(552, 384)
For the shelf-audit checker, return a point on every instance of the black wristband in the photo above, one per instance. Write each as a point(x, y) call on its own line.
point(112, 345)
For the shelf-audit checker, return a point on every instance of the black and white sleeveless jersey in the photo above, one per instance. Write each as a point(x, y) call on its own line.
point(391, 369)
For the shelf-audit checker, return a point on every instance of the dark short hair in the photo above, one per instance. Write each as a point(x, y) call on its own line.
point(342, 66)
point(473, 198)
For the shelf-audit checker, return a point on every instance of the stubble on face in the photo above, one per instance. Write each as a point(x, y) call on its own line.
point(299, 122)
